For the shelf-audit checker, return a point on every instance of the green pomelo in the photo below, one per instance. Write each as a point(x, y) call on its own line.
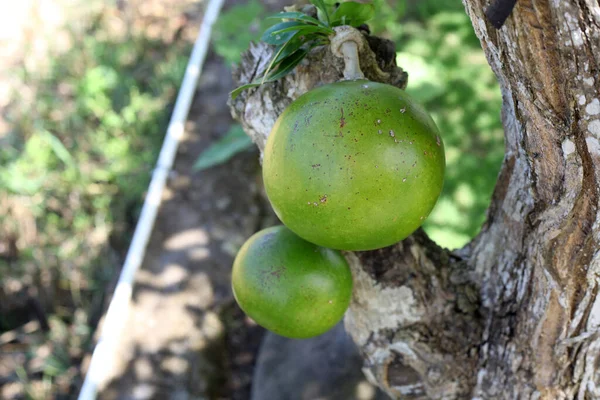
point(290, 286)
point(354, 165)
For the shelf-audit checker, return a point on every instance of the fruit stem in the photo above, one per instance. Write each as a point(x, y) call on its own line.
point(351, 61)
point(346, 44)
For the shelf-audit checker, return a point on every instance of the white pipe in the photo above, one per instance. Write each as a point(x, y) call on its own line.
point(117, 313)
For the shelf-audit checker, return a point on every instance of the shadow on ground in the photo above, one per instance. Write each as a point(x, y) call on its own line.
point(185, 337)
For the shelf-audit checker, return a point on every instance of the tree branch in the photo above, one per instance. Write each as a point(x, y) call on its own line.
point(414, 314)
point(516, 313)
point(537, 258)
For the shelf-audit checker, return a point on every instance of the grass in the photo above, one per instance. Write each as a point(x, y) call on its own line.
point(77, 163)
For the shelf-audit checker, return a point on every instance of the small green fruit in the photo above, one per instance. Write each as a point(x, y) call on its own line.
point(290, 286)
point(354, 165)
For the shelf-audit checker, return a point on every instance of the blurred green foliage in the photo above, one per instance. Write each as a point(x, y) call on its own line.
point(449, 74)
point(237, 27)
point(77, 162)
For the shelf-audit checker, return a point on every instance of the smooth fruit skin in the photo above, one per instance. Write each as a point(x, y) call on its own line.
point(290, 286)
point(354, 165)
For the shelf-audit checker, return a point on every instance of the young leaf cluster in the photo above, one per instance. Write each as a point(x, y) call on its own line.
point(298, 33)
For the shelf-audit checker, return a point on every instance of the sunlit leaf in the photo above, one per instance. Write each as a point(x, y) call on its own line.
point(58, 148)
point(353, 14)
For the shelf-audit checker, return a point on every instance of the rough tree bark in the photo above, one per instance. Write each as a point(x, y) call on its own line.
point(515, 313)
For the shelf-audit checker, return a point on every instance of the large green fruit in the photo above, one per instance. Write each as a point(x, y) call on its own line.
point(290, 286)
point(354, 165)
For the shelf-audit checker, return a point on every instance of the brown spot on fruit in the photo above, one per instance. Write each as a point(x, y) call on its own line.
point(277, 272)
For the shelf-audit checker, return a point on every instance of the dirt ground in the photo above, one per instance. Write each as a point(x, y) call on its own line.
point(185, 337)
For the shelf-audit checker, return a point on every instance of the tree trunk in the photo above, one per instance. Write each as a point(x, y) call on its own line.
point(515, 313)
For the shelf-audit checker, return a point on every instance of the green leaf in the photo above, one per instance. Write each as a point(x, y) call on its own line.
point(308, 30)
point(272, 63)
point(280, 60)
point(353, 14)
point(297, 16)
point(288, 48)
point(288, 37)
point(287, 65)
point(58, 148)
point(275, 36)
point(322, 7)
point(234, 141)
point(236, 92)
